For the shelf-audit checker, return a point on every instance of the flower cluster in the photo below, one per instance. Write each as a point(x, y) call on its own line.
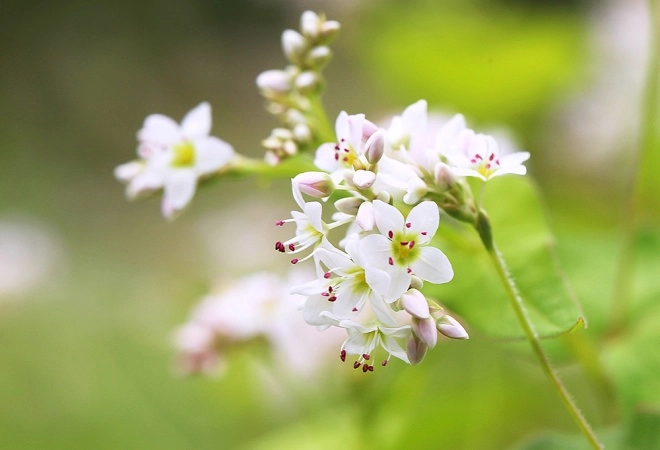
point(388, 186)
point(173, 158)
point(291, 93)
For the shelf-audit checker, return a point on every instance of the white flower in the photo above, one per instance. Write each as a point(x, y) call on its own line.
point(174, 157)
point(401, 248)
point(363, 340)
point(479, 155)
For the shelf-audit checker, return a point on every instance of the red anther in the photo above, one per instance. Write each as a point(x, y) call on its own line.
point(390, 261)
point(330, 289)
point(366, 356)
point(347, 150)
point(336, 146)
point(412, 244)
point(409, 270)
point(327, 275)
point(384, 363)
point(345, 159)
point(404, 242)
point(325, 294)
point(342, 140)
point(292, 247)
point(365, 368)
point(488, 166)
point(424, 233)
point(332, 299)
point(279, 246)
point(478, 156)
point(473, 161)
point(342, 356)
point(336, 156)
point(497, 162)
point(390, 234)
point(354, 309)
point(492, 155)
point(356, 365)
point(408, 224)
point(294, 261)
point(371, 368)
point(279, 223)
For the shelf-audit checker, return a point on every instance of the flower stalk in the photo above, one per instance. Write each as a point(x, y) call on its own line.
point(485, 233)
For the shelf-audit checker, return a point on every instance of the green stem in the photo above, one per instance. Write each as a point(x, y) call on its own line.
point(485, 232)
point(639, 175)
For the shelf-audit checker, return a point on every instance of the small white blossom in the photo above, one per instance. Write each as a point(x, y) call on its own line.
point(174, 157)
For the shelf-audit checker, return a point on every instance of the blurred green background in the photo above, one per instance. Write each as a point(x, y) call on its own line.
point(85, 347)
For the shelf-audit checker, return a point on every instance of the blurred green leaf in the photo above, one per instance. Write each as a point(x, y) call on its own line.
point(489, 62)
point(523, 237)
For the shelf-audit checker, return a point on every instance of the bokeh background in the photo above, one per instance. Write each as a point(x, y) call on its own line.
point(92, 287)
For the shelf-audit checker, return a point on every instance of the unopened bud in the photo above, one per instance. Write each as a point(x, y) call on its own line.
point(319, 56)
point(416, 189)
point(416, 283)
point(307, 82)
point(445, 178)
point(302, 133)
point(294, 46)
point(274, 81)
point(450, 327)
point(349, 205)
point(126, 172)
point(375, 147)
point(415, 349)
point(415, 304)
point(384, 196)
point(365, 217)
point(426, 330)
point(363, 179)
point(310, 25)
point(290, 147)
point(329, 29)
point(315, 184)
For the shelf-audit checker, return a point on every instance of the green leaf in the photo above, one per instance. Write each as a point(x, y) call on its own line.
point(522, 235)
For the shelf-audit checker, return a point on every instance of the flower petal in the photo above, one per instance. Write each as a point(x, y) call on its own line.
point(159, 129)
point(211, 154)
point(432, 265)
point(179, 189)
point(388, 218)
point(424, 218)
point(197, 123)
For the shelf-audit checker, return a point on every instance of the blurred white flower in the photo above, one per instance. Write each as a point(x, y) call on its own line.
point(30, 256)
point(174, 157)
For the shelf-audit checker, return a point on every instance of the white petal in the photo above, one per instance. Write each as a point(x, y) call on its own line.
point(388, 218)
point(159, 129)
point(197, 123)
point(324, 158)
point(365, 216)
point(179, 189)
point(415, 304)
point(126, 172)
point(211, 154)
point(313, 309)
point(432, 265)
point(424, 218)
point(449, 133)
point(399, 283)
point(377, 279)
point(394, 348)
point(375, 250)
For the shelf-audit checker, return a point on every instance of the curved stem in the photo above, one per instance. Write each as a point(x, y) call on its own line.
point(485, 232)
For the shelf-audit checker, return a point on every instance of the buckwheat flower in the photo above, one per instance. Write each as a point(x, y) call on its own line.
point(174, 157)
point(364, 340)
point(343, 290)
point(479, 155)
point(402, 247)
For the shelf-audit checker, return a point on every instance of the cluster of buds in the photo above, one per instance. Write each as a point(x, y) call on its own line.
point(389, 186)
point(290, 93)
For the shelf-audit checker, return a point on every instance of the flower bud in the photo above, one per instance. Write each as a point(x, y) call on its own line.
point(415, 304)
point(415, 349)
point(450, 327)
point(329, 29)
point(444, 176)
point(274, 82)
point(319, 56)
point(307, 82)
point(281, 134)
point(416, 189)
point(294, 46)
point(416, 283)
point(384, 196)
point(302, 133)
point(290, 147)
point(349, 205)
point(363, 179)
point(426, 330)
point(126, 172)
point(310, 25)
point(315, 184)
point(365, 217)
point(375, 147)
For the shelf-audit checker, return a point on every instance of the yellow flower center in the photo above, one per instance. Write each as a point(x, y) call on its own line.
point(184, 154)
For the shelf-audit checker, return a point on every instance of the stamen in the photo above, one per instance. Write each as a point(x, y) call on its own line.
point(325, 294)
point(408, 224)
point(404, 242)
point(292, 247)
point(365, 368)
point(332, 299)
point(492, 156)
point(390, 261)
point(336, 156)
point(412, 244)
point(409, 270)
point(424, 233)
point(384, 363)
point(294, 261)
point(366, 356)
point(342, 356)
point(371, 368)
point(354, 309)
point(390, 234)
point(279, 223)
point(327, 275)
point(356, 364)
point(279, 246)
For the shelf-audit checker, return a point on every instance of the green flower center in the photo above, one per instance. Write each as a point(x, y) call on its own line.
point(404, 249)
point(184, 154)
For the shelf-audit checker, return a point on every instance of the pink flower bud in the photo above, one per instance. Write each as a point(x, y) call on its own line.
point(444, 176)
point(274, 81)
point(426, 330)
point(415, 304)
point(310, 24)
point(349, 205)
point(415, 349)
point(365, 217)
point(315, 184)
point(450, 327)
point(307, 82)
point(375, 147)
